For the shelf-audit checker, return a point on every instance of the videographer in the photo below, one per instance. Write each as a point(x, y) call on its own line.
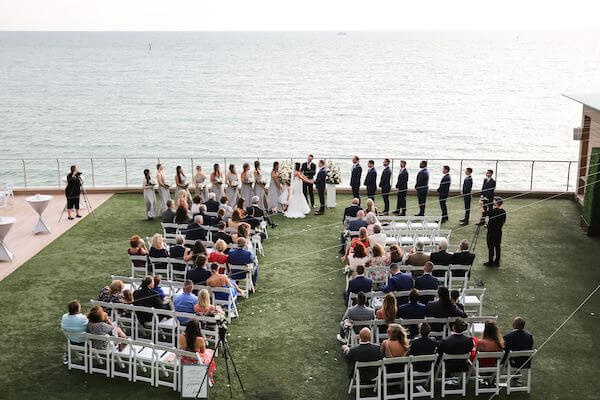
point(73, 191)
point(497, 218)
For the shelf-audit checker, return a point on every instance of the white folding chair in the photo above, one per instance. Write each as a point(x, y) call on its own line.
point(406, 238)
point(431, 222)
point(76, 352)
point(167, 365)
point(422, 376)
point(222, 297)
point(395, 373)
point(160, 265)
point(169, 230)
point(121, 360)
point(143, 362)
point(425, 236)
point(178, 269)
point(357, 385)
point(440, 234)
point(518, 371)
point(462, 376)
point(472, 299)
point(458, 276)
point(487, 374)
point(98, 352)
point(138, 270)
point(242, 274)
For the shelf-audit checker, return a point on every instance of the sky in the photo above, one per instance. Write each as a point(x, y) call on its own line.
point(265, 15)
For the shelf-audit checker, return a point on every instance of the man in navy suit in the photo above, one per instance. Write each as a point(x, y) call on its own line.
point(518, 340)
point(421, 346)
point(422, 187)
point(359, 283)
point(427, 282)
point(466, 193)
point(402, 186)
point(308, 168)
point(487, 193)
point(412, 310)
point(398, 282)
point(320, 184)
point(352, 210)
point(385, 185)
point(457, 343)
point(355, 177)
point(371, 180)
point(443, 191)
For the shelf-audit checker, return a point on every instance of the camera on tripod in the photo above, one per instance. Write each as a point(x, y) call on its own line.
point(222, 325)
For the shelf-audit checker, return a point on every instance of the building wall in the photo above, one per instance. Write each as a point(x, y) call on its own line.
point(594, 138)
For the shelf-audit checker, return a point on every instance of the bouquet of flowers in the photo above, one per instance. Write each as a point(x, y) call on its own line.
point(250, 181)
point(285, 173)
point(202, 186)
point(218, 180)
point(259, 180)
point(234, 184)
point(333, 173)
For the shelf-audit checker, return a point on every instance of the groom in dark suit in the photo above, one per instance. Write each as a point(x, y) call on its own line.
point(385, 185)
point(402, 186)
point(320, 184)
point(443, 191)
point(308, 168)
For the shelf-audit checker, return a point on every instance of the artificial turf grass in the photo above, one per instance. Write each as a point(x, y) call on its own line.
point(285, 334)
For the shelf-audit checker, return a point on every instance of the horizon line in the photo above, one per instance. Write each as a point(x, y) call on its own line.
point(561, 29)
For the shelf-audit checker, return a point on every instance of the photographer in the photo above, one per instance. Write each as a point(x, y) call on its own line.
point(73, 191)
point(497, 218)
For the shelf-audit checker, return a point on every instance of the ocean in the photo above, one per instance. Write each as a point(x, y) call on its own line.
point(199, 98)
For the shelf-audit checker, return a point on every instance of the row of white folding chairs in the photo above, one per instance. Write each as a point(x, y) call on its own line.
point(172, 288)
point(164, 326)
point(410, 222)
point(138, 361)
point(451, 276)
point(170, 268)
point(409, 237)
point(475, 326)
point(414, 381)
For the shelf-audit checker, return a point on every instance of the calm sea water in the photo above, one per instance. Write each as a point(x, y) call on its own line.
point(272, 95)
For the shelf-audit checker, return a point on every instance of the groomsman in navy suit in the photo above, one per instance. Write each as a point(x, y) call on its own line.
point(402, 186)
point(355, 177)
point(385, 185)
point(443, 191)
point(466, 193)
point(422, 187)
point(371, 180)
point(320, 184)
point(487, 193)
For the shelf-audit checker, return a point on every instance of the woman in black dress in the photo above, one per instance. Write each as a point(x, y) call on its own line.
point(73, 191)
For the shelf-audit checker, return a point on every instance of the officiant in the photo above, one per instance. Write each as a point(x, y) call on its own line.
point(309, 169)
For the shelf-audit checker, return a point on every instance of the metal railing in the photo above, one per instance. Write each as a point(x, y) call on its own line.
point(511, 174)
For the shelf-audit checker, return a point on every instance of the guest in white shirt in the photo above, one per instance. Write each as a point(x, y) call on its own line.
point(74, 323)
point(377, 237)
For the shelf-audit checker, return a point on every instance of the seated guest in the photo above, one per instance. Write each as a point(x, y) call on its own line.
point(455, 297)
point(443, 308)
point(146, 297)
point(236, 219)
point(100, 324)
point(427, 282)
point(74, 323)
point(359, 312)
point(221, 234)
point(370, 207)
point(220, 217)
point(358, 284)
point(371, 220)
point(351, 210)
point(192, 340)
point(181, 215)
point(519, 340)
point(421, 346)
point(195, 230)
point(412, 310)
point(157, 288)
point(358, 257)
point(196, 202)
point(417, 257)
point(137, 248)
point(491, 341)
point(199, 274)
point(441, 257)
point(197, 249)
point(127, 296)
point(203, 306)
point(364, 352)
point(398, 282)
point(112, 293)
point(359, 222)
point(395, 255)
point(218, 280)
point(378, 257)
point(387, 312)
point(168, 216)
point(463, 256)
point(224, 205)
point(241, 256)
point(377, 237)
point(182, 201)
point(240, 205)
point(218, 255)
point(208, 220)
point(186, 301)
point(179, 251)
point(212, 205)
point(158, 250)
point(457, 343)
point(397, 344)
point(255, 211)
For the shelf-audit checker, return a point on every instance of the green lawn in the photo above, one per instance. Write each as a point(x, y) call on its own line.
point(284, 342)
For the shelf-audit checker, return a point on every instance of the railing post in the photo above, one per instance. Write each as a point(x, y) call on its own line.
point(93, 175)
point(496, 170)
point(460, 173)
point(531, 179)
point(126, 180)
point(24, 174)
point(225, 166)
point(568, 175)
point(392, 171)
point(192, 166)
point(58, 171)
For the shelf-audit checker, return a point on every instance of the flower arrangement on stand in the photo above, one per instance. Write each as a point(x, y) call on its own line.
point(334, 177)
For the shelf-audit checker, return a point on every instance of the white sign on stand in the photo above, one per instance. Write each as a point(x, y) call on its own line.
point(191, 379)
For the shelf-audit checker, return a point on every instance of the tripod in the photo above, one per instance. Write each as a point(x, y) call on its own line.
point(223, 347)
point(86, 201)
point(475, 237)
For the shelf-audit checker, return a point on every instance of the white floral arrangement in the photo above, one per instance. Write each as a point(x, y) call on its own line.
point(218, 180)
point(234, 184)
point(334, 175)
point(201, 186)
point(259, 180)
point(250, 181)
point(284, 175)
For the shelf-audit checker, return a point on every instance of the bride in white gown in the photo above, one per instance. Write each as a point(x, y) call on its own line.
point(297, 205)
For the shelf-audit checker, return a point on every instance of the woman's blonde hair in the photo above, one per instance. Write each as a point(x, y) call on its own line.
point(397, 332)
point(371, 218)
point(158, 241)
point(116, 286)
point(362, 234)
point(370, 205)
point(203, 298)
point(378, 250)
point(220, 245)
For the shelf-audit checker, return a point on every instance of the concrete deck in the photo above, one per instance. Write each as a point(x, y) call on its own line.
point(21, 240)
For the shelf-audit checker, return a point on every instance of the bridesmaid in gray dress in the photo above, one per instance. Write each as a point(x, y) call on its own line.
point(149, 195)
point(216, 181)
point(233, 184)
point(163, 188)
point(199, 180)
point(274, 190)
point(181, 185)
point(259, 186)
point(247, 191)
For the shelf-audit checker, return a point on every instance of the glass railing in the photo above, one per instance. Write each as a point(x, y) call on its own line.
point(518, 175)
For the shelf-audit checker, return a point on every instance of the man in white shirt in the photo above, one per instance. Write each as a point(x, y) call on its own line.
point(74, 323)
point(377, 237)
